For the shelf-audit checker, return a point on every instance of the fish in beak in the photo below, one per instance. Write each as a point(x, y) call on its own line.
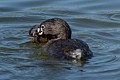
point(37, 35)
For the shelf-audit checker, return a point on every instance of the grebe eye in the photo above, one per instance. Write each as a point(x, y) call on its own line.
point(42, 26)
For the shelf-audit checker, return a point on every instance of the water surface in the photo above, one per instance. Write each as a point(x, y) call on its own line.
point(96, 22)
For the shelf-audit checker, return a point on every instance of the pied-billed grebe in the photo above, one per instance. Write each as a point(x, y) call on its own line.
point(56, 34)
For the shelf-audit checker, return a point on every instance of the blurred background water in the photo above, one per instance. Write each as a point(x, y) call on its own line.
point(96, 22)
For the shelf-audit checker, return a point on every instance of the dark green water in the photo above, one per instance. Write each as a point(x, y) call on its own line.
point(97, 22)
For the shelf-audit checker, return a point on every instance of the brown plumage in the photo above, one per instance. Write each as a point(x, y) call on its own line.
point(56, 34)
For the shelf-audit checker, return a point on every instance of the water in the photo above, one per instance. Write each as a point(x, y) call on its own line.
point(97, 22)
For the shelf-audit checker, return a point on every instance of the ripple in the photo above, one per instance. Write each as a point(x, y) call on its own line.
point(18, 19)
point(101, 60)
point(103, 65)
point(105, 33)
point(115, 51)
point(7, 9)
point(25, 67)
point(5, 74)
point(12, 38)
point(115, 17)
point(7, 49)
